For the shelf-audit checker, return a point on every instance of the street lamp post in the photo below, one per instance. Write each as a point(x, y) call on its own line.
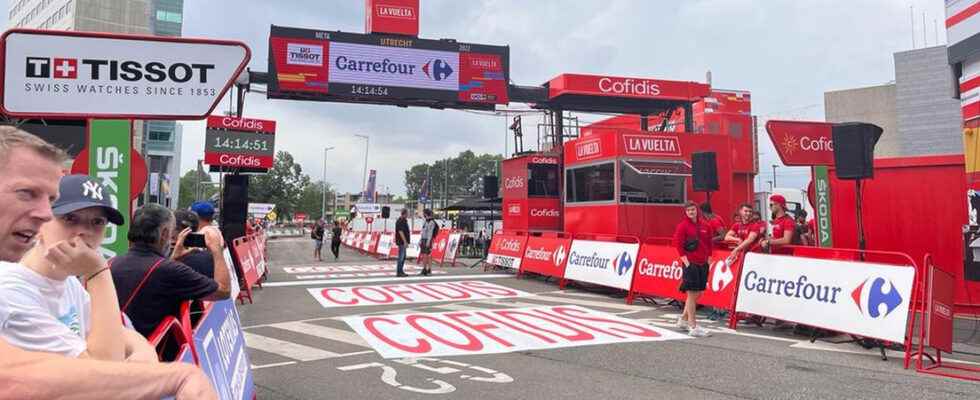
point(774, 166)
point(323, 204)
point(367, 146)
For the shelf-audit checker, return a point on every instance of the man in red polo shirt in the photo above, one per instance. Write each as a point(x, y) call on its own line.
point(747, 231)
point(783, 227)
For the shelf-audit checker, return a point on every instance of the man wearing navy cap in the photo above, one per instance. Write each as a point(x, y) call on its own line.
point(205, 215)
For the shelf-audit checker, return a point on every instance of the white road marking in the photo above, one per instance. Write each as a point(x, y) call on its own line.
point(286, 349)
point(369, 280)
point(618, 306)
point(280, 364)
point(340, 335)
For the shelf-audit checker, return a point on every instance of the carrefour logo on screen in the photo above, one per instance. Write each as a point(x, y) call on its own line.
point(622, 263)
point(878, 299)
point(439, 69)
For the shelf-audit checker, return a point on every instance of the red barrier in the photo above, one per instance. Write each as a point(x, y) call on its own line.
point(546, 254)
point(659, 270)
point(507, 249)
point(245, 254)
point(438, 252)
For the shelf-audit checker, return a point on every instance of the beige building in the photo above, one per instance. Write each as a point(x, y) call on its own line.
point(874, 104)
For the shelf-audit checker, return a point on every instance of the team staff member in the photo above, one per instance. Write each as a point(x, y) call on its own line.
point(714, 221)
point(783, 227)
point(747, 231)
point(317, 235)
point(335, 234)
point(403, 238)
point(30, 170)
point(693, 238)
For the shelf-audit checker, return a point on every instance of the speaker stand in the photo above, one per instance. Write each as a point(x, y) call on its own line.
point(859, 197)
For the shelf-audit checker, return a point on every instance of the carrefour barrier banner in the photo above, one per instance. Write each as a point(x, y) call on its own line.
point(221, 350)
point(410, 293)
point(452, 247)
point(659, 271)
point(602, 263)
point(518, 329)
point(413, 246)
point(864, 299)
point(506, 250)
point(546, 255)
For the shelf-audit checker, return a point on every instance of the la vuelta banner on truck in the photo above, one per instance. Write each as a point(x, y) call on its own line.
point(602, 263)
point(659, 271)
point(859, 298)
point(546, 255)
point(506, 250)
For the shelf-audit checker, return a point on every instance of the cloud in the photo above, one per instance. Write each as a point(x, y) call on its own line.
point(787, 53)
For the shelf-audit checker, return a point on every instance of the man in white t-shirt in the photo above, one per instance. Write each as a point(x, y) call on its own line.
point(43, 305)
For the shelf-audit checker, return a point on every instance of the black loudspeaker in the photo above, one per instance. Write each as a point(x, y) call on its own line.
point(491, 186)
point(854, 148)
point(234, 206)
point(385, 212)
point(705, 171)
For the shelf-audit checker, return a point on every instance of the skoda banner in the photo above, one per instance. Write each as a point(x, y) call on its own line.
point(109, 161)
point(602, 263)
point(822, 193)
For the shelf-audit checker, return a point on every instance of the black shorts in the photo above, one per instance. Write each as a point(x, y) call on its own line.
point(425, 247)
point(695, 278)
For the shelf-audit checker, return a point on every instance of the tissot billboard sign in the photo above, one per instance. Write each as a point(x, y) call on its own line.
point(340, 66)
point(73, 74)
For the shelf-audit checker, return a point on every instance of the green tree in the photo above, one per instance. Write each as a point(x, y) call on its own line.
point(311, 199)
point(283, 185)
point(195, 185)
point(465, 173)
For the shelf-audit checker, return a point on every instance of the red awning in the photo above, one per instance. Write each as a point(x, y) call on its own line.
point(660, 167)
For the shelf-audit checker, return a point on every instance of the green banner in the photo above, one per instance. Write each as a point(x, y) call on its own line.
point(108, 153)
point(821, 184)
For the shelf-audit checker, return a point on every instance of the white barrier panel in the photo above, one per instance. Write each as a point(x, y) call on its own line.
point(413, 246)
point(410, 293)
point(860, 298)
point(385, 242)
point(498, 331)
point(602, 263)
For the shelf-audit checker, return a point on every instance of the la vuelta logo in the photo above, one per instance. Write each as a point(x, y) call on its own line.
point(649, 144)
point(588, 149)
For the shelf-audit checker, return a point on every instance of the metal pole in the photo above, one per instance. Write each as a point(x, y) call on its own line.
point(367, 144)
point(445, 193)
point(774, 176)
point(323, 204)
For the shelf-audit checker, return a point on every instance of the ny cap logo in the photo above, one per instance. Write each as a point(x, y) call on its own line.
point(92, 190)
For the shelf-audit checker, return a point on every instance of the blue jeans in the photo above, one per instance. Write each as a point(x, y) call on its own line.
point(400, 267)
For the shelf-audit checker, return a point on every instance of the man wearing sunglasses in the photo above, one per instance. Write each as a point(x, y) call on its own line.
point(47, 305)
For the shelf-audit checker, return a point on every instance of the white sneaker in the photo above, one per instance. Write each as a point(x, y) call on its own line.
point(681, 323)
point(698, 332)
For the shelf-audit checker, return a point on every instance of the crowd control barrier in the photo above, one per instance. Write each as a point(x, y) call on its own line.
point(659, 271)
point(507, 249)
point(250, 259)
point(935, 321)
point(604, 260)
point(445, 246)
point(216, 344)
point(546, 254)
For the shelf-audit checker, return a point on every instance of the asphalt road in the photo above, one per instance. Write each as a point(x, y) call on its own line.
point(301, 350)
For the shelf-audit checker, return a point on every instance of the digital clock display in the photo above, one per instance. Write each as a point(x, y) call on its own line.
point(242, 144)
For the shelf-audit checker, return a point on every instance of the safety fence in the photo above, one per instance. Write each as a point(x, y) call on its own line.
point(873, 296)
point(209, 334)
point(382, 245)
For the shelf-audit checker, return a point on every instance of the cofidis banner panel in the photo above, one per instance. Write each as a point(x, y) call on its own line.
point(864, 299)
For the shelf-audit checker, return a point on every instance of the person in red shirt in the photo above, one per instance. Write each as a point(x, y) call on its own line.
point(783, 227)
point(747, 231)
point(692, 238)
point(715, 222)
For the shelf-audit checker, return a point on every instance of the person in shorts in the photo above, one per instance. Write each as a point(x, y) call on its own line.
point(429, 231)
point(316, 233)
point(693, 239)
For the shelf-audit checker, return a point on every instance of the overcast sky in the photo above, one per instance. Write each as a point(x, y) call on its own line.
point(787, 53)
